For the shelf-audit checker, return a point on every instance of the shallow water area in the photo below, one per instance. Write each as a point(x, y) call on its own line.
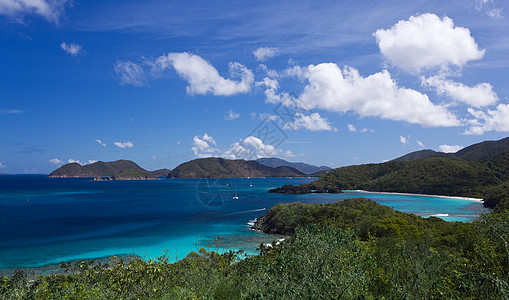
point(45, 221)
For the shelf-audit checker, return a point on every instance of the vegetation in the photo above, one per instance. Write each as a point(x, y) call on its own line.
point(303, 167)
point(214, 167)
point(161, 172)
point(431, 175)
point(354, 249)
point(134, 175)
point(97, 169)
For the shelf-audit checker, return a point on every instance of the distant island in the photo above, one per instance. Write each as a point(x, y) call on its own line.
point(303, 167)
point(480, 170)
point(115, 170)
point(197, 168)
point(215, 167)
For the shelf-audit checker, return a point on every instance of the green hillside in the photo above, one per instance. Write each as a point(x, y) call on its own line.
point(100, 168)
point(485, 179)
point(133, 175)
point(224, 168)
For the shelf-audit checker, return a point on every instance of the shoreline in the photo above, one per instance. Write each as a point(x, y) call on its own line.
point(423, 195)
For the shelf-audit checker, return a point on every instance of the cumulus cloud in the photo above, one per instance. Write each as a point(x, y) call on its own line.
point(264, 53)
point(101, 143)
point(479, 95)
point(363, 130)
point(130, 73)
point(124, 145)
point(421, 144)
point(351, 128)
point(231, 115)
point(250, 148)
point(342, 90)
point(91, 161)
point(312, 122)
point(16, 10)
point(203, 78)
point(202, 146)
point(449, 148)
point(426, 41)
point(2, 165)
point(72, 49)
point(55, 161)
point(490, 120)
point(404, 140)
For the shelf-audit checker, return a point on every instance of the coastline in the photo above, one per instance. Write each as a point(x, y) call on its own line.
point(423, 195)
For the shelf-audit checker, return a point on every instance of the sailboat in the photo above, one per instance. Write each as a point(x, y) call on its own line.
point(235, 197)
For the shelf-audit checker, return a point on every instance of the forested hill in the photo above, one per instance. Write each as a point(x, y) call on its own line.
point(100, 168)
point(214, 167)
point(487, 179)
point(476, 152)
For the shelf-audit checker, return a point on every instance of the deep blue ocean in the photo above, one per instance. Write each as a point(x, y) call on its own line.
point(47, 220)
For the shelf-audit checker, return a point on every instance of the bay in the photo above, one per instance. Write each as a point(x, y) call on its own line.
point(48, 220)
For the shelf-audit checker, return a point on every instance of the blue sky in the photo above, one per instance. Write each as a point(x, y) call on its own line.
point(325, 82)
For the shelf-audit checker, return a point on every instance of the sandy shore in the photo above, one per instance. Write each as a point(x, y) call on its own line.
point(424, 195)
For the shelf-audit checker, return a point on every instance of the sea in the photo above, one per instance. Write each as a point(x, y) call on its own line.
point(48, 220)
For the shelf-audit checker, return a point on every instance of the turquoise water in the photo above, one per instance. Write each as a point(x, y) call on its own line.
point(45, 221)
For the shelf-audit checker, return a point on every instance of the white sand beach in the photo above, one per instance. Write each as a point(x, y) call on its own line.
point(424, 195)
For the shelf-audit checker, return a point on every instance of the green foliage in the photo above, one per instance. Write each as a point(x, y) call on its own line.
point(214, 167)
point(431, 175)
point(354, 249)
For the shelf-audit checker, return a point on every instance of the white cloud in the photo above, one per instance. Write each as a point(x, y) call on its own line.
point(72, 49)
point(351, 128)
point(16, 10)
point(426, 41)
point(404, 140)
point(202, 146)
point(264, 53)
point(101, 143)
point(124, 145)
point(479, 95)
point(91, 161)
point(203, 78)
point(420, 143)
point(363, 130)
point(250, 148)
point(55, 161)
point(154, 158)
point(70, 160)
point(378, 95)
point(2, 165)
point(10, 111)
point(231, 115)
point(488, 7)
point(130, 73)
point(289, 153)
point(312, 122)
point(491, 120)
point(449, 148)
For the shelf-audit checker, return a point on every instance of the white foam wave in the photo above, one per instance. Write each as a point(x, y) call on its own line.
point(440, 215)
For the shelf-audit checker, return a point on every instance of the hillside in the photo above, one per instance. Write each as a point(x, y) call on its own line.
point(476, 152)
point(303, 167)
point(422, 154)
point(100, 168)
point(161, 172)
point(483, 150)
point(134, 175)
point(487, 179)
point(224, 168)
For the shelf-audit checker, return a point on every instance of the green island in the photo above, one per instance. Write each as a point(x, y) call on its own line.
point(352, 249)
